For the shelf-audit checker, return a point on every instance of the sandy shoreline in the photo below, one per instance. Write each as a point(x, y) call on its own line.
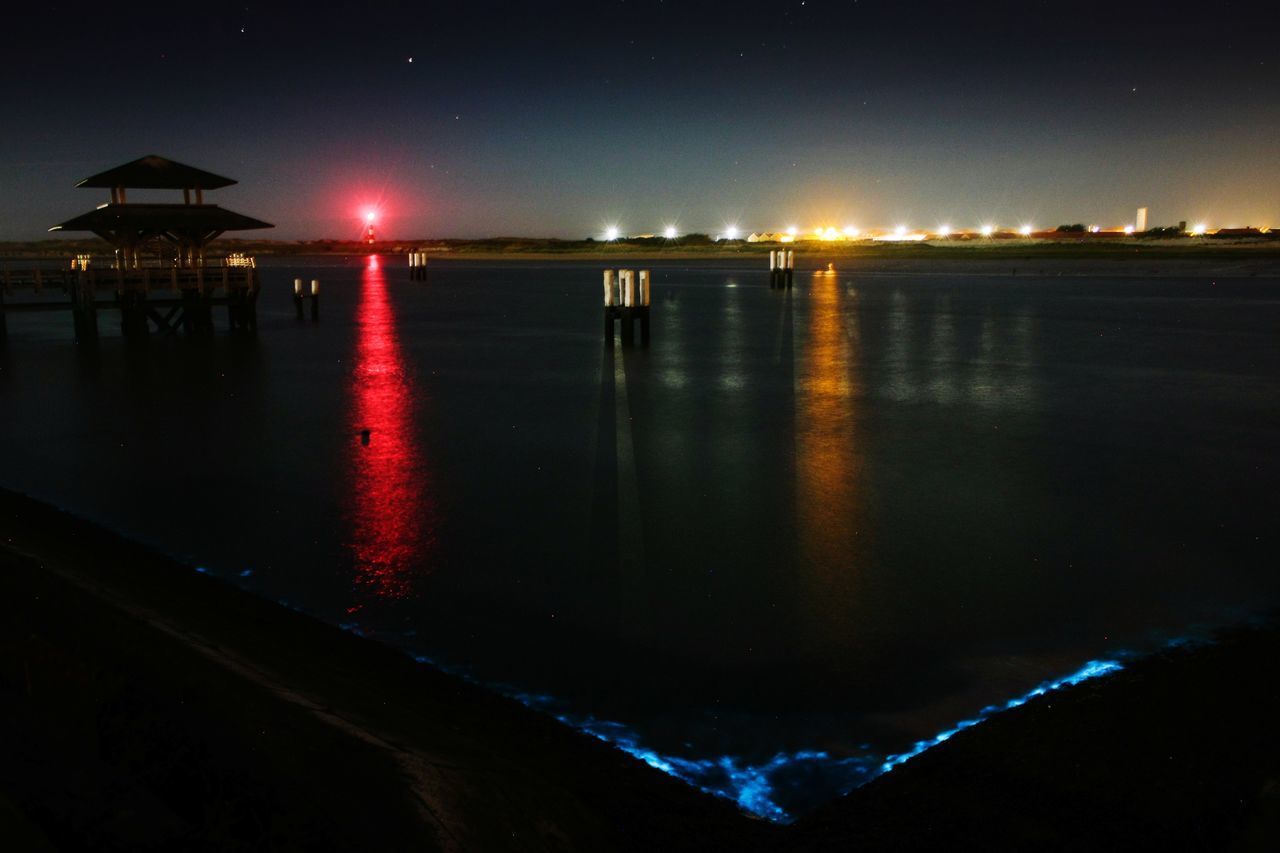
point(810, 262)
point(190, 711)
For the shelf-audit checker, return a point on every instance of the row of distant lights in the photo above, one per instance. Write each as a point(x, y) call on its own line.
point(732, 232)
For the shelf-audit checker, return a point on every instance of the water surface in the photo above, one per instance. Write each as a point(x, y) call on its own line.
point(800, 532)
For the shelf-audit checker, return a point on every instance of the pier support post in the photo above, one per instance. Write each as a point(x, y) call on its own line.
point(197, 312)
point(627, 281)
point(83, 312)
point(133, 313)
point(206, 312)
point(627, 303)
point(610, 307)
point(297, 297)
point(315, 299)
point(418, 266)
point(646, 285)
point(251, 300)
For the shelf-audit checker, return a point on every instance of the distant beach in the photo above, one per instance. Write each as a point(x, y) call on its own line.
point(1129, 256)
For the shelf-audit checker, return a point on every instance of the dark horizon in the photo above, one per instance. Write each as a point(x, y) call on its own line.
point(562, 121)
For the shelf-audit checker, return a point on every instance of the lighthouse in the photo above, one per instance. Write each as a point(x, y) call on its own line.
point(369, 236)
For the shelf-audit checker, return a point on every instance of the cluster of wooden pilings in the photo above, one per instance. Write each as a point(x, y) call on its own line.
point(418, 266)
point(782, 267)
point(302, 293)
point(170, 298)
point(626, 299)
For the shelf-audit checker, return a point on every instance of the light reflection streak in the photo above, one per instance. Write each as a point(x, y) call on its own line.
point(828, 493)
point(392, 519)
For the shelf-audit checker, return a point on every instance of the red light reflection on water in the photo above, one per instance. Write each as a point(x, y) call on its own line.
point(392, 513)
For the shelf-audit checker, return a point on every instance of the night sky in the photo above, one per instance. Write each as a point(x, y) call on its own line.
point(558, 119)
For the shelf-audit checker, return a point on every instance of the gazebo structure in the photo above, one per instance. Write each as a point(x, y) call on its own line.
point(158, 247)
point(185, 228)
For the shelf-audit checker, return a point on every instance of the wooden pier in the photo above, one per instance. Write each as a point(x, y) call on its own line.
point(167, 299)
point(158, 273)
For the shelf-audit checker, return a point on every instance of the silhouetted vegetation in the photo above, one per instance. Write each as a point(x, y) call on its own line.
point(1078, 228)
point(1162, 232)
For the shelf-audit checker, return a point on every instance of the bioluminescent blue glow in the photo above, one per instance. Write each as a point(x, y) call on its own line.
point(751, 786)
point(755, 787)
point(1092, 669)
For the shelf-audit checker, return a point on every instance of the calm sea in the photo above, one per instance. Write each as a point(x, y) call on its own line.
point(801, 532)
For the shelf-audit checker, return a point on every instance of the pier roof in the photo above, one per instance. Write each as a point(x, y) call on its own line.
point(159, 218)
point(156, 173)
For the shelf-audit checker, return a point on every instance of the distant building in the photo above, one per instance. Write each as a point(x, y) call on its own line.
point(1140, 224)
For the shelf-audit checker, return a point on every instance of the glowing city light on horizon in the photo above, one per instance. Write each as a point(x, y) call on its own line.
point(830, 233)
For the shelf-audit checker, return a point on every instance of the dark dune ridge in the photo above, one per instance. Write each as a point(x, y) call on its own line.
point(149, 707)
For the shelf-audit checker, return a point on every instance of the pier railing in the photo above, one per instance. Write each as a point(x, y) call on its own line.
point(139, 294)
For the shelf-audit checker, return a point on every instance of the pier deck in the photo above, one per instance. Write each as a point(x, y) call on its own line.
point(167, 298)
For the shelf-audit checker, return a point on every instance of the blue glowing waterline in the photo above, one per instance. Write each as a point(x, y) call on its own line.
point(1092, 669)
point(751, 786)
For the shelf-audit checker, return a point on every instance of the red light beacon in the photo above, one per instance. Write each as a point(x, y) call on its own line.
point(369, 237)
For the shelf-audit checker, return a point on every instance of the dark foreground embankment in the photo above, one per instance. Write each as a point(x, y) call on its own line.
point(1181, 751)
point(146, 707)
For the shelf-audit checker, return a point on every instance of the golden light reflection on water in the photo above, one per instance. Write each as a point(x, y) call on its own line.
point(829, 500)
point(392, 514)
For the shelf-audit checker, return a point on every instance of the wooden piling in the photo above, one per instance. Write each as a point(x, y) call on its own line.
point(84, 314)
point(627, 281)
point(251, 299)
point(782, 263)
point(297, 297)
point(627, 302)
point(315, 299)
point(418, 266)
point(646, 279)
point(610, 307)
point(133, 314)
